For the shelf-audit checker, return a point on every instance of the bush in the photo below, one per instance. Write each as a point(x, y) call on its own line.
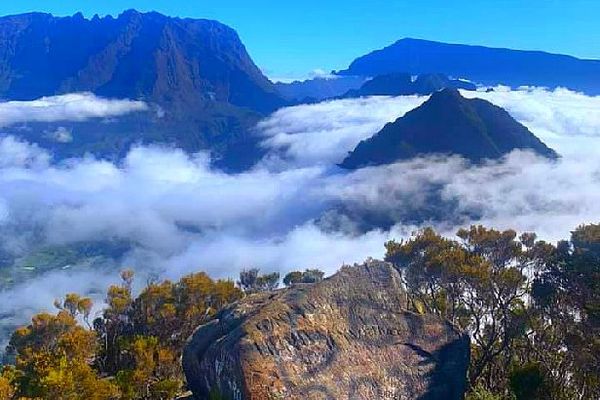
point(308, 276)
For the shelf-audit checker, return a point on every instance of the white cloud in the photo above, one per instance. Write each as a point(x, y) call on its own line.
point(67, 107)
point(320, 73)
point(522, 191)
point(61, 135)
point(16, 153)
point(317, 73)
point(323, 133)
point(181, 215)
point(556, 116)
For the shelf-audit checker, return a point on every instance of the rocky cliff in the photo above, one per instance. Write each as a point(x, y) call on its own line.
point(348, 337)
point(197, 72)
point(136, 55)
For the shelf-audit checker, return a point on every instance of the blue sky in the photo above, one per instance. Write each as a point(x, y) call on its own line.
point(291, 38)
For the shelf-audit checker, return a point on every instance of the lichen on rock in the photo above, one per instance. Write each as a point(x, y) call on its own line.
point(347, 337)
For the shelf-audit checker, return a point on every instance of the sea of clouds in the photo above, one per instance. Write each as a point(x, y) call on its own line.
point(296, 208)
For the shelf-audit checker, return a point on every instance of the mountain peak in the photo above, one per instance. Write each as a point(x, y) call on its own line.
point(411, 40)
point(130, 11)
point(197, 71)
point(447, 95)
point(447, 123)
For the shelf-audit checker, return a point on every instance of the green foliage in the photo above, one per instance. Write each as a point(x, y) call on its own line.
point(52, 360)
point(142, 338)
point(531, 309)
point(7, 384)
point(481, 393)
point(154, 374)
point(251, 281)
point(308, 276)
point(215, 394)
point(529, 383)
point(524, 302)
point(566, 294)
point(131, 352)
point(292, 278)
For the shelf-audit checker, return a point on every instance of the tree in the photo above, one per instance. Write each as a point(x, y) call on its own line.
point(171, 311)
point(495, 300)
point(312, 276)
point(53, 357)
point(143, 337)
point(7, 386)
point(479, 283)
point(528, 382)
point(532, 310)
point(137, 341)
point(248, 279)
point(566, 294)
point(251, 281)
point(114, 325)
point(292, 278)
point(154, 374)
point(308, 276)
point(75, 305)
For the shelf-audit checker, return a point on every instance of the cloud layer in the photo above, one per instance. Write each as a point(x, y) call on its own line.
point(67, 107)
point(295, 209)
point(323, 133)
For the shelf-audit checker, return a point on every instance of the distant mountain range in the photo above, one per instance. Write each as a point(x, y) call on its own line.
point(485, 65)
point(402, 84)
point(393, 84)
point(197, 71)
point(447, 123)
point(204, 90)
point(319, 88)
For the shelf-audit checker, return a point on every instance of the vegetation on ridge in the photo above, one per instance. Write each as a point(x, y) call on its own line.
point(532, 310)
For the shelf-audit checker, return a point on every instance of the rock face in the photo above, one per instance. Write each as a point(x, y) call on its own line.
point(347, 337)
point(204, 90)
point(137, 55)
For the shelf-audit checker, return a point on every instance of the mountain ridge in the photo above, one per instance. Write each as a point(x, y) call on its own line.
point(110, 42)
point(197, 71)
point(403, 84)
point(447, 123)
point(481, 64)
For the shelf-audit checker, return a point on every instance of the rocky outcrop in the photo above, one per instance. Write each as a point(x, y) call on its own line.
point(347, 337)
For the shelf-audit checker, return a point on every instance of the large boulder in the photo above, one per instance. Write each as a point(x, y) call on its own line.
point(348, 337)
